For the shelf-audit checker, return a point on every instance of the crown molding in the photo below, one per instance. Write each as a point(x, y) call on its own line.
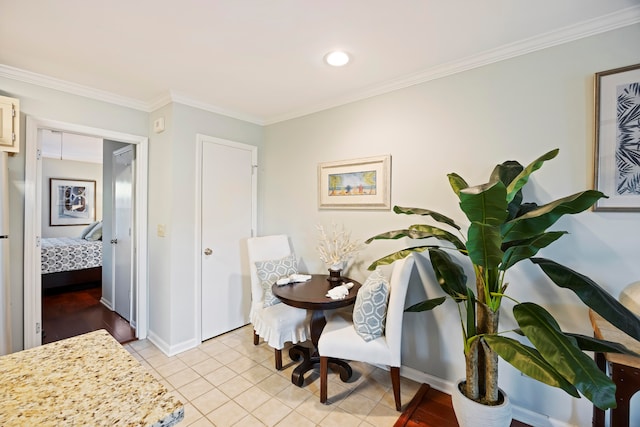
point(69, 87)
point(620, 19)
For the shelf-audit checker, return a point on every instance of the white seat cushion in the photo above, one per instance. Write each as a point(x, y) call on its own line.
point(280, 323)
point(339, 339)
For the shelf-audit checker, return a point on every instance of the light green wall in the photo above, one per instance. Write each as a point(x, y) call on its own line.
point(466, 123)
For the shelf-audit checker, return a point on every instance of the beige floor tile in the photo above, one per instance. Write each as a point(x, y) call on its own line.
point(227, 415)
point(256, 374)
point(157, 359)
point(241, 364)
point(314, 410)
point(183, 377)
point(293, 396)
point(227, 356)
point(173, 367)
point(193, 356)
point(382, 416)
point(357, 404)
point(213, 347)
point(220, 376)
point(340, 418)
point(274, 384)
point(272, 412)
point(249, 421)
point(235, 386)
point(295, 419)
point(210, 401)
point(195, 388)
point(191, 414)
point(207, 366)
point(200, 422)
point(371, 389)
point(251, 398)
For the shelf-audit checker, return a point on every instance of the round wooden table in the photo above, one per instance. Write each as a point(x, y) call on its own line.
point(312, 295)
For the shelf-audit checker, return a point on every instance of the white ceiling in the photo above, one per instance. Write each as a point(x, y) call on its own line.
point(261, 60)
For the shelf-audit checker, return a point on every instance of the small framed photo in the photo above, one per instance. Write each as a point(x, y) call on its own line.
point(355, 184)
point(73, 202)
point(617, 138)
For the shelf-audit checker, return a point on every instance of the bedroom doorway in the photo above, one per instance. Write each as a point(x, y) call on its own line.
point(33, 219)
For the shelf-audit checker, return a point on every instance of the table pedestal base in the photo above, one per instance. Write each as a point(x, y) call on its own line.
point(310, 361)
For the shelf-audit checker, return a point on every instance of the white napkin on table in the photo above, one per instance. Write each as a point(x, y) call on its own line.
point(294, 278)
point(340, 292)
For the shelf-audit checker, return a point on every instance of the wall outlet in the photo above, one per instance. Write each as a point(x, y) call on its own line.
point(162, 230)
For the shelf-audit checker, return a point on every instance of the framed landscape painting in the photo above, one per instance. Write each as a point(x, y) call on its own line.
point(73, 202)
point(355, 184)
point(617, 138)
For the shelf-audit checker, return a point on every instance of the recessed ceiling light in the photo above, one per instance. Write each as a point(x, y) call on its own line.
point(337, 58)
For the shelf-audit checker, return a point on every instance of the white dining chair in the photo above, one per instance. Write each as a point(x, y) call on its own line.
point(340, 340)
point(279, 323)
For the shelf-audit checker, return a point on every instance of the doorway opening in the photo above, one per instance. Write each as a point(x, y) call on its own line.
point(33, 219)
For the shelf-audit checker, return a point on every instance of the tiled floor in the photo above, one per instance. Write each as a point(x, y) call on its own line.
point(227, 381)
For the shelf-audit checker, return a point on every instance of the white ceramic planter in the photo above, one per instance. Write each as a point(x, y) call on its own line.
point(472, 414)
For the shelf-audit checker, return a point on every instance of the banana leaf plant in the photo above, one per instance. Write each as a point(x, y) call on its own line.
point(503, 231)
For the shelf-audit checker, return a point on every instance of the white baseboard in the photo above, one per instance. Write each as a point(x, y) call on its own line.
point(521, 414)
point(171, 350)
point(106, 303)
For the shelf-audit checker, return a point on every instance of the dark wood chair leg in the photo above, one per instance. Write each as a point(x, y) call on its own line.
point(395, 382)
point(256, 338)
point(324, 370)
point(278, 360)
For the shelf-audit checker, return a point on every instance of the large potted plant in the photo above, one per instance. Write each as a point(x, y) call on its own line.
point(503, 231)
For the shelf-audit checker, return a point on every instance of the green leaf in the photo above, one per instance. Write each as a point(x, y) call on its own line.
point(484, 245)
point(602, 346)
point(422, 231)
point(426, 305)
point(426, 212)
point(471, 314)
point(592, 295)
point(562, 352)
point(527, 248)
point(485, 203)
point(390, 235)
point(389, 259)
point(449, 273)
point(529, 361)
point(522, 178)
point(538, 220)
point(457, 183)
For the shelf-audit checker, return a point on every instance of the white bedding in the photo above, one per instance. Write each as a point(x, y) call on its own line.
point(68, 253)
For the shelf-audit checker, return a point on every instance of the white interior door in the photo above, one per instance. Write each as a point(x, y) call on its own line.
point(122, 243)
point(228, 205)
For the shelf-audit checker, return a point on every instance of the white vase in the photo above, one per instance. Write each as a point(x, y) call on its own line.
point(473, 414)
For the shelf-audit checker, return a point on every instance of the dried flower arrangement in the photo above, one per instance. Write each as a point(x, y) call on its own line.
point(337, 249)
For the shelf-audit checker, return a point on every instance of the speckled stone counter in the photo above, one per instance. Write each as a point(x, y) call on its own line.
point(88, 380)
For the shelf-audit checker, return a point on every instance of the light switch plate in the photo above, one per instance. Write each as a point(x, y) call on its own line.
point(158, 125)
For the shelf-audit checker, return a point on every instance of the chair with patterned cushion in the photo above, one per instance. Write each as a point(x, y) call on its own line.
point(373, 333)
point(271, 258)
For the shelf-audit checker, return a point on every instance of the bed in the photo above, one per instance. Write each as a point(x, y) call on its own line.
point(70, 261)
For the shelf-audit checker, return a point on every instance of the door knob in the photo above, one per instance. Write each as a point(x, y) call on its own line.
point(114, 241)
point(208, 251)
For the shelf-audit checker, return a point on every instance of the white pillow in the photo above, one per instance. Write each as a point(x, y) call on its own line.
point(95, 233)
point(88, 228)
point(270, 271)
point(370, 309)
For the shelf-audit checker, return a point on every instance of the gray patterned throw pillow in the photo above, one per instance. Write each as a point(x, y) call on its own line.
point(370, 310)
point(270, 271)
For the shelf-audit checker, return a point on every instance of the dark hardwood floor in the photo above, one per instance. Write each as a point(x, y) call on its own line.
point(77, 311)
point(432, 408)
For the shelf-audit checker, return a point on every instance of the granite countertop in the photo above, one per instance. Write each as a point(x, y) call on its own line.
point(88, 380)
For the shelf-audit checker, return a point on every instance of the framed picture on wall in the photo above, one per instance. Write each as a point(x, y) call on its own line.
point(355, 184)
point(72, 201)
point(617, 138)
